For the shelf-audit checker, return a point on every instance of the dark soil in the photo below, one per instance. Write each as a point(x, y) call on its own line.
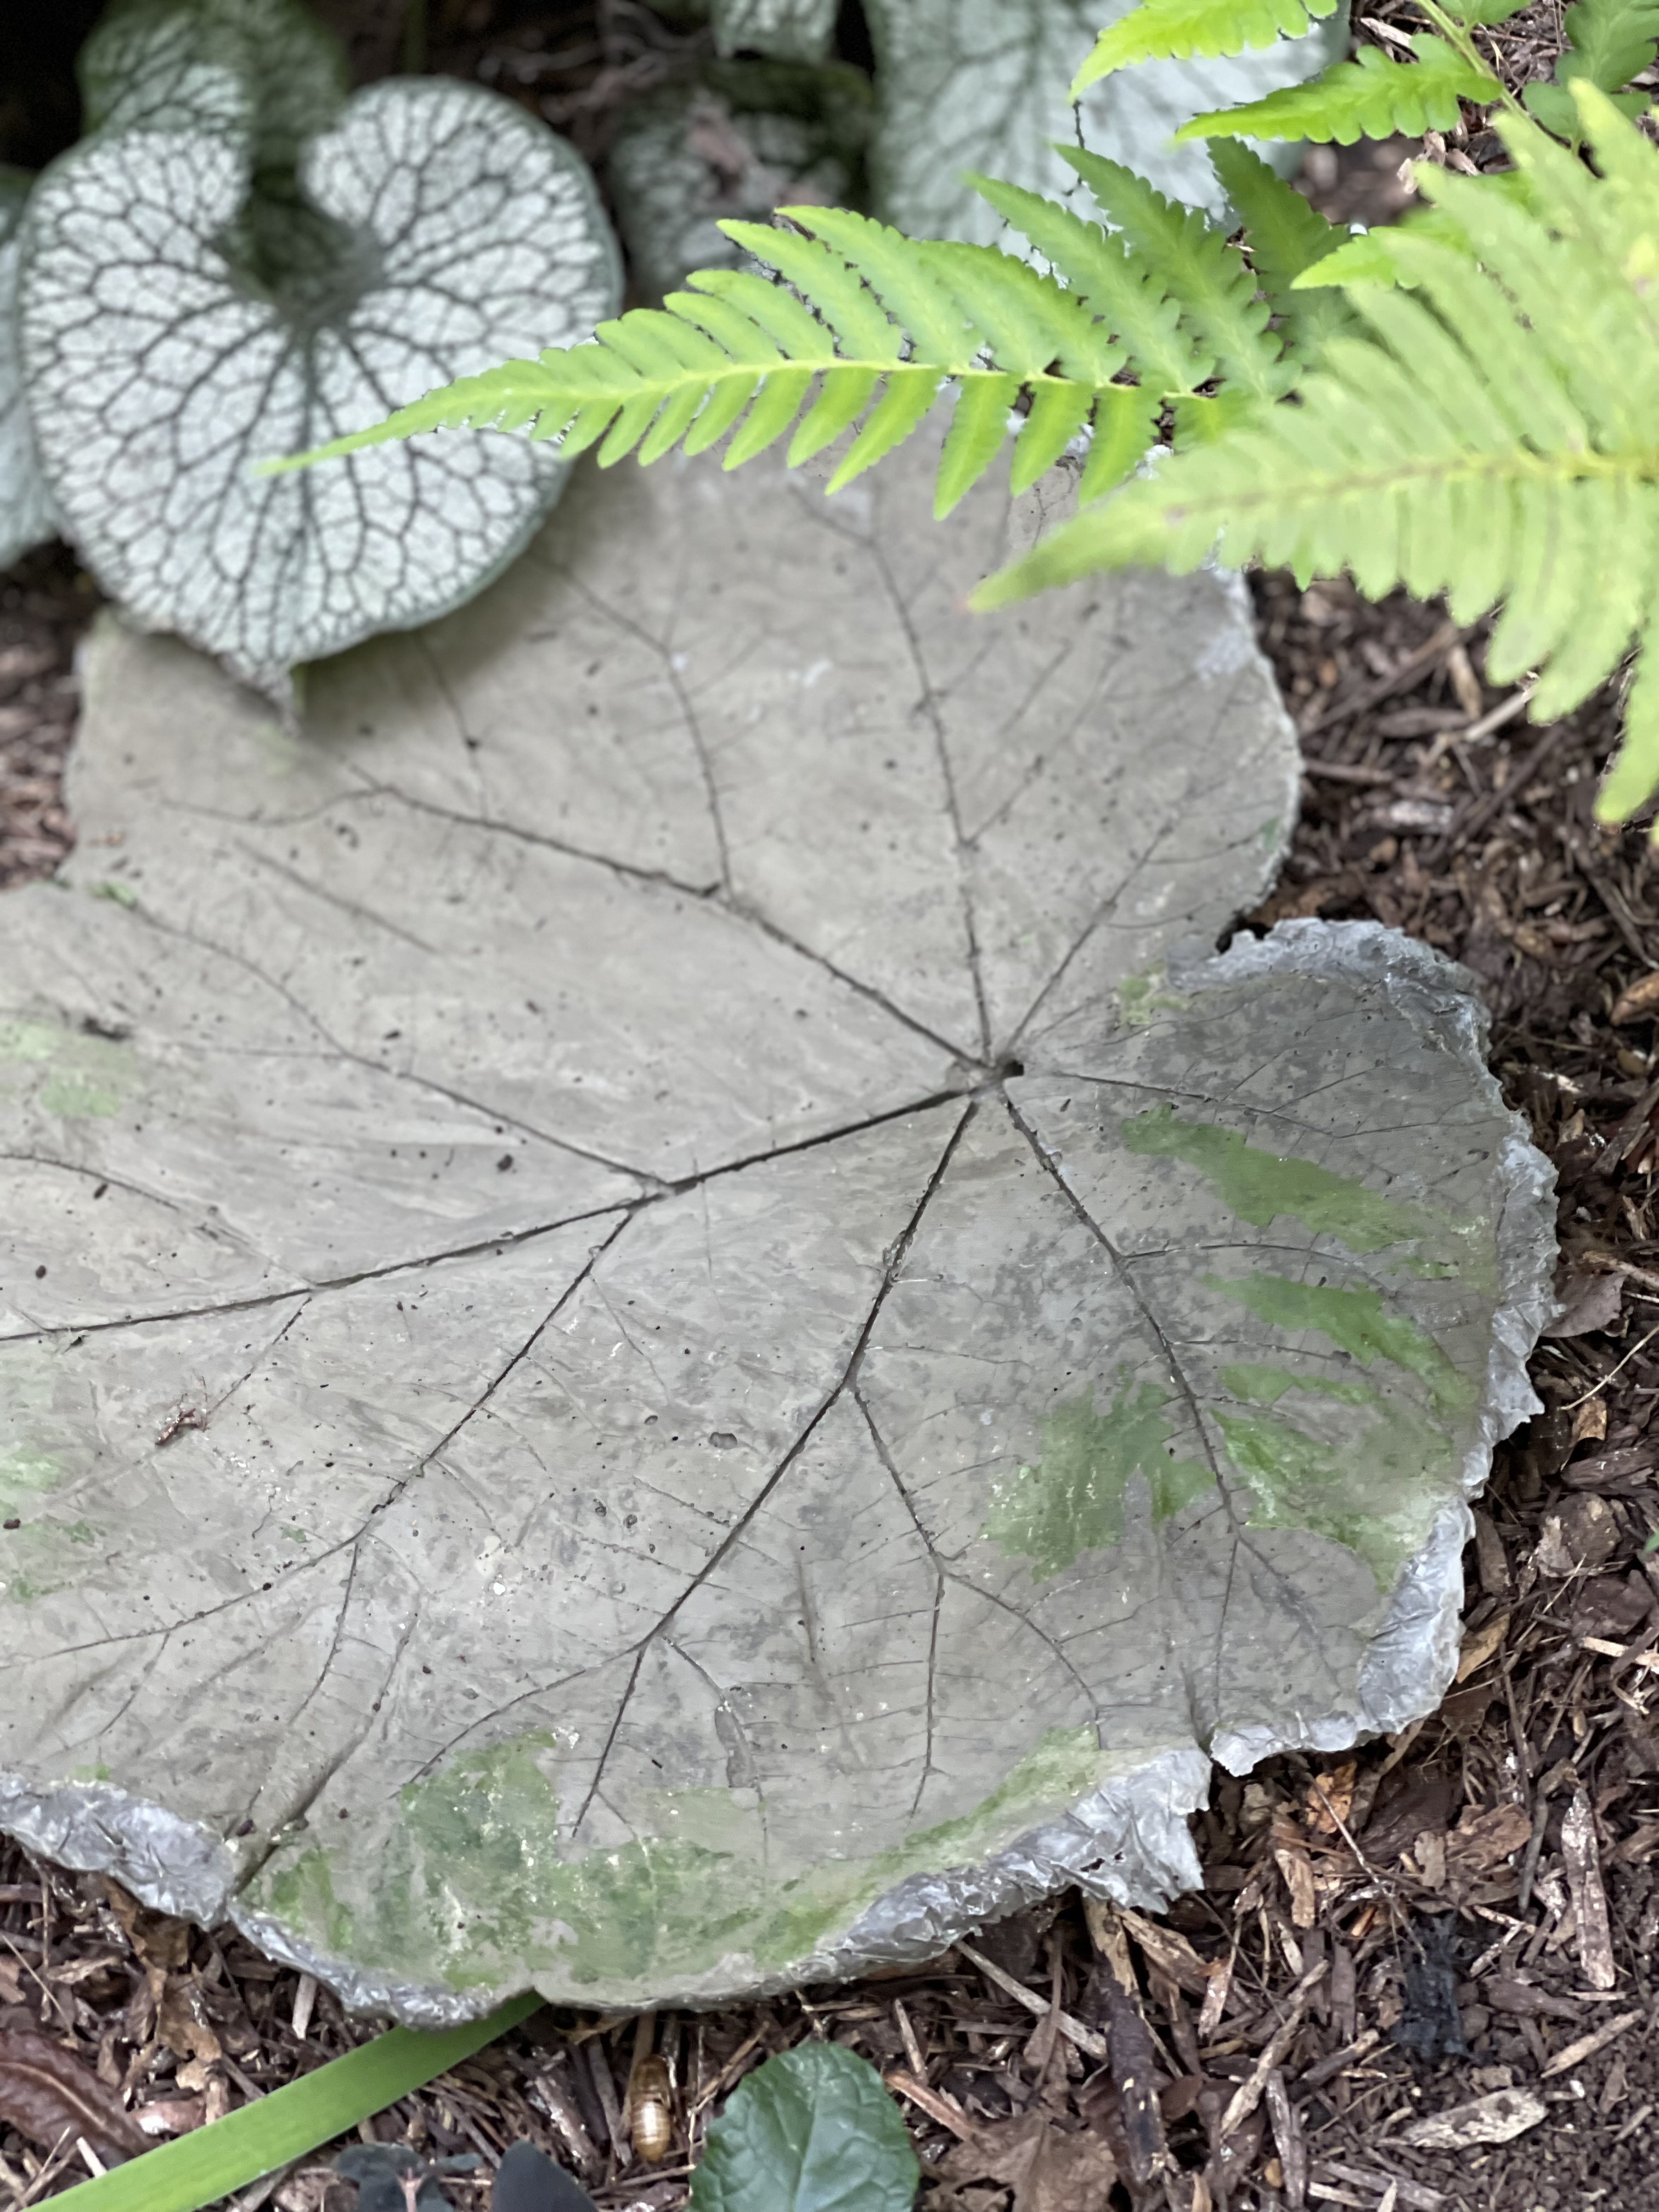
point(1409, 1927)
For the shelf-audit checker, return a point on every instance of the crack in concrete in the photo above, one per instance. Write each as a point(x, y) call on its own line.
point(890, 1276)
point(1243, 1541)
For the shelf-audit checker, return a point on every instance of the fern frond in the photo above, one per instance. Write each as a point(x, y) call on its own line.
point(1210, 280)
point(1286, 237)
point(1608, 42)
point(866, 330)
point(1370, 97)
point(867, 327)
point(1493, 435)
point(1188, 30)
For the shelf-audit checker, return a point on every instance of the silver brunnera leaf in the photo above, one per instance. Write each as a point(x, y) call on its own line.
point(26, 510)
point(186, 313)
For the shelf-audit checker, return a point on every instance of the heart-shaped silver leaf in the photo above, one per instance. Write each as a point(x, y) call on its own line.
point(182, 321)
point(27, 515)
point(264, 71)
point(981, 85)
point(665, 1327)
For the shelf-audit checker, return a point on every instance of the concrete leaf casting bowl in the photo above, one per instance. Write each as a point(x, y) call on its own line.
point(665, 1326)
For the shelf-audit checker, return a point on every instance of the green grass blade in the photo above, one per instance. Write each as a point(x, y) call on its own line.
point(198, 2169)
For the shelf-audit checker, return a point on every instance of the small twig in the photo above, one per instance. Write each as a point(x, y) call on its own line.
point(1347, 1835)
point(1505, 711)
point(727, 2073)
point(1247, 2095)
point(1609, 1263)
point(1588, 2045)
point(1072, 2030)
point(945, 2109)
point(1574, 1403)
point(1327, 2069)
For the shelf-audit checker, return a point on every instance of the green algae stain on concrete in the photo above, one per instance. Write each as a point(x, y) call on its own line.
point(1140, 999)
point(25, 1471)
point(1065, 1766)
point(1261, 1385)
point(1357, 1322)
point(472, 1888)
point(1257, 1185)
point(76, 1076)
point(1072, 1500)
point(1376, 1493)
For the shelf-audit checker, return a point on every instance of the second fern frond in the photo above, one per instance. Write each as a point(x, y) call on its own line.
point(1492, 436)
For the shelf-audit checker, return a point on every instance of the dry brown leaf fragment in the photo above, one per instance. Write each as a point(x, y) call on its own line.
point(1330, 1798)
point(179, 2024)
point(171, 2115)
point(1637, 1000)
point(1429, 1853)
point(1480, 1645)
point(1482, 1840)
point(158, 1941)
point(1297, 1868)
point(47, 2092)
point(1590, 1420)
point(1049, 2168)
point(1169, 1951)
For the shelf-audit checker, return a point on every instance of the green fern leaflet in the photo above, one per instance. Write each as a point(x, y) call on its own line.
point(1370, 97)
point(1187, 30)
point(1494, 437)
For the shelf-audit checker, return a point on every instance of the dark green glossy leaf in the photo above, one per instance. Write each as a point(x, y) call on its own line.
point(813, 2130)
